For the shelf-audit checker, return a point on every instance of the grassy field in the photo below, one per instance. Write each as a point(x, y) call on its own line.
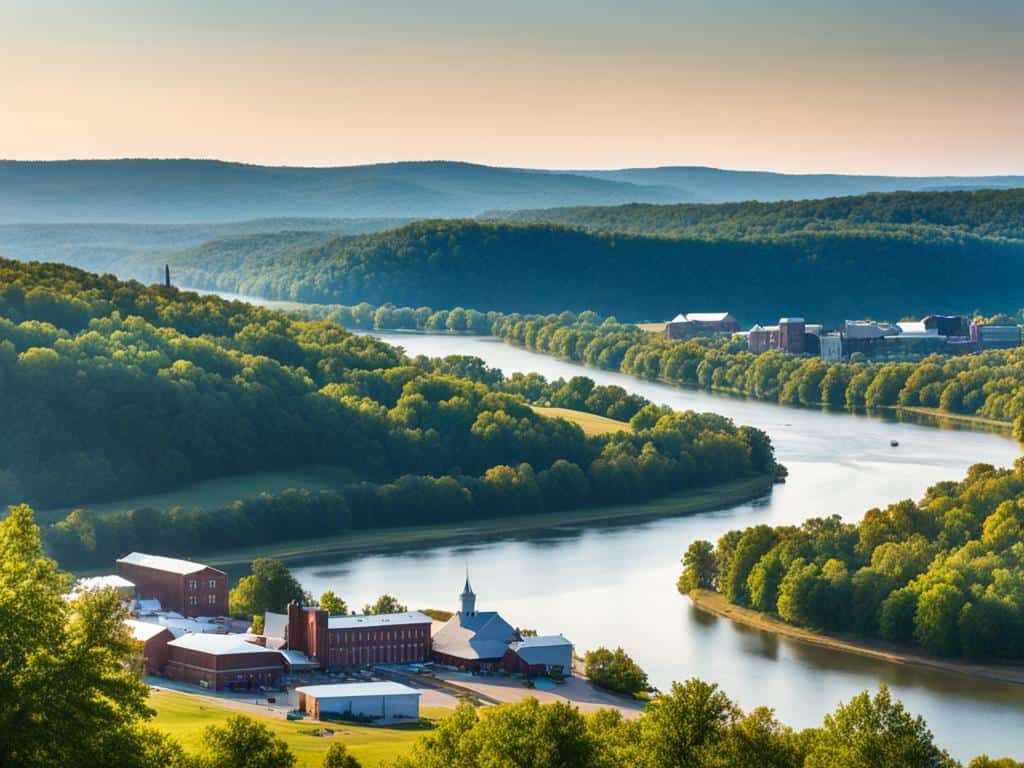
point(185, 717)
point(391, 539)
point(591, 423)
point(658, 328)
point(219, 492)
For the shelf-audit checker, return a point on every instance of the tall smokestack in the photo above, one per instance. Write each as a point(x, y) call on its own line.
point(167, 275)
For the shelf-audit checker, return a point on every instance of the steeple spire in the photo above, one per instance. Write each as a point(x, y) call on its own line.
point(468, 597)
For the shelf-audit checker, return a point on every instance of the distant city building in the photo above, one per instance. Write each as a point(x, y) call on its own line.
point(792, 335)
point(700, 324)
point(191, 589)
point(831, 345)
point(379, 700)
point(995, 336)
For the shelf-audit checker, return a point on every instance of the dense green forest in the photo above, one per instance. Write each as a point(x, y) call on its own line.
point(111, 389)
point(945, 573)
point(827, 261)
point(99, 713)
point(988, 384)
point(985, 213)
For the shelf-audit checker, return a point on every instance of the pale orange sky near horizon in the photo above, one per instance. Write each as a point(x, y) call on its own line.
point(927, 89)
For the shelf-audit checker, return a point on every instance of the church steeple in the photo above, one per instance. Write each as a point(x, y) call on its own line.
point(468, 597)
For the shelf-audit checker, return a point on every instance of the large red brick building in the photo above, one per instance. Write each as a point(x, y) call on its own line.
point(154, 639)
point(224, 662)
point(191, 589)
point(340, 641)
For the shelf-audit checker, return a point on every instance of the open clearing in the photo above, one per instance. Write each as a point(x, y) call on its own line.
point(185, 717)
point(591, 423)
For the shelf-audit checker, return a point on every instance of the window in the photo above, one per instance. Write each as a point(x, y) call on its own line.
point(212, 584)
point(193, 584)
point(211, 599)
point(193, 600)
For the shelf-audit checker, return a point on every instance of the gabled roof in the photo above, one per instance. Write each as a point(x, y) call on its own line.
point(112, 581)
point(707, 317)
point(161, 563)
point(549, 649)
point(479, 635)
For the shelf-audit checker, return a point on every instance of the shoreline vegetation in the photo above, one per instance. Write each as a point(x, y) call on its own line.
point(716, 604)
point(689, 502)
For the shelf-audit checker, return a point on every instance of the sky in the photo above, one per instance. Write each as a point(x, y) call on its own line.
point(900, 87)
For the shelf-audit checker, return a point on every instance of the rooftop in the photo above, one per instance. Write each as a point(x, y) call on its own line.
point(378, 620)
point(161, 563)
point(112, 581)
point(144, 630)
point(383, 688)
point(543, 641)
point(707, 317)
point(217, 645)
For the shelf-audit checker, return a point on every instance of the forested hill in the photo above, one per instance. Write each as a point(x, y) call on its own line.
point(540, 268)
point(986, 213)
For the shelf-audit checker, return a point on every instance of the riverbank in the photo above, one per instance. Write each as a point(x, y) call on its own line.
point(391, 539)
point(979, 422)
point(715, 603)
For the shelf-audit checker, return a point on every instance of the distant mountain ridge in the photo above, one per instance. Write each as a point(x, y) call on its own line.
point(184, 191)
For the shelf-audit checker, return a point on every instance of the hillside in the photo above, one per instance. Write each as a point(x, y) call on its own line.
point(986, 213)
point(540, 267)
point(714, 185)
point(164, 191)
point(176, 191)
point(95, 246)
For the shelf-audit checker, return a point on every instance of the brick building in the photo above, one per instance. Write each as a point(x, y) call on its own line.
point(700, 324)
point(191, 589)
point(340, 641)
point(224, 662)
point(154, 639)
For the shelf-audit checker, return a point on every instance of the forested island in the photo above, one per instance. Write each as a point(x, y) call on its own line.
point(112, 388)
point(945, 574)
point(827, 260)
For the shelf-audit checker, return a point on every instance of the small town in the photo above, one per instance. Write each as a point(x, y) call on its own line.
point(366, 668)
point(943, 334)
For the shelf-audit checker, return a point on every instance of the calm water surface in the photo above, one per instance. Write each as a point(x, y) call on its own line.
point(616, 585)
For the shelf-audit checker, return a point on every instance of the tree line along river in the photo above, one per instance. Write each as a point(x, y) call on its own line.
point(615, 585)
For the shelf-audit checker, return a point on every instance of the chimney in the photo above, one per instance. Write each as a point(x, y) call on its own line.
point(167, 275)
point(296, 638)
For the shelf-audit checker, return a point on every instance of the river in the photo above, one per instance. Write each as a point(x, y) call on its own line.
point(616, 585)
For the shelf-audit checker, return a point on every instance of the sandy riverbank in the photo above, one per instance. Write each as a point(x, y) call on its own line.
point(715, 603)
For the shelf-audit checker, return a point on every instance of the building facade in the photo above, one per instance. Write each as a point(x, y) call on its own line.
point(223, 662)
point(342, 641)
point(191, 589)
point(155, 639)
point(379, 700)
point(545, 655)
point(700, 324)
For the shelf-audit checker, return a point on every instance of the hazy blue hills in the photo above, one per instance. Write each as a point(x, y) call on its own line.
point(715, 185)
point(163, 191)
point(175, 191)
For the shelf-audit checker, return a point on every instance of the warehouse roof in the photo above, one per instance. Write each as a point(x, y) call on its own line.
point(346, 690)
point(218, 645)
point(161, 563)
point(144, 630)
point(478, 635)
point(112, 581)
point(378, 620)
point(548, 649)
point(707, 317)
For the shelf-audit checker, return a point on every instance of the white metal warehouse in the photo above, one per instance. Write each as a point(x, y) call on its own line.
point(382, 700)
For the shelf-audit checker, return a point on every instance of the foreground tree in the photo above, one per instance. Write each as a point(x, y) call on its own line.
point(686, 726)
point(870, 732)
point(270, 587)
point(243, 742)
point(337, 756)
point(67, 697)
point(699, 570)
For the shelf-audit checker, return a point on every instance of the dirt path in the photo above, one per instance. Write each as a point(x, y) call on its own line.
point(715, 603)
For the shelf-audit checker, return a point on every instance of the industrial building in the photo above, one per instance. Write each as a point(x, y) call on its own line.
point(380, 701)
point(338, 641)
point(154, 639)
point(995, 336)
point(792, 334)
point(225, 662)
point(551, 654)
point(700, 324)
point(191, 589)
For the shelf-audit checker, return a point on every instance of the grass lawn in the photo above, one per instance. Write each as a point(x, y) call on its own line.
point(185, 717)
point(391, 539)
point(591, 423)
point(218, 492)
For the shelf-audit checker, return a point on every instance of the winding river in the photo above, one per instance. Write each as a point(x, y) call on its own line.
point(616, 585)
